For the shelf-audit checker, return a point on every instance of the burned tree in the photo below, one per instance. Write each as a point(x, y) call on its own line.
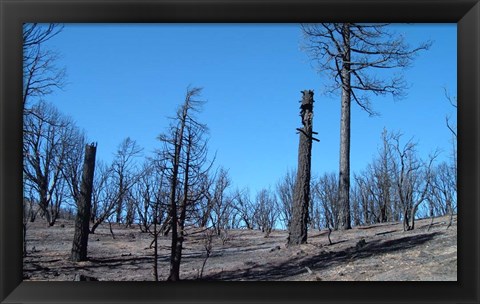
point(301, 196)
point(185, 155)
point(80, 239)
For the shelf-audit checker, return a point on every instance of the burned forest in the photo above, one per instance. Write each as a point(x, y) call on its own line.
point(180, 208)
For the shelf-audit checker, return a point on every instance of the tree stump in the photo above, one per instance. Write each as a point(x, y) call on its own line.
point(84, 203)
point(301, 196)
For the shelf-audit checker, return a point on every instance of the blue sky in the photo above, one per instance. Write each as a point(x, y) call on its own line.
point(126, 80)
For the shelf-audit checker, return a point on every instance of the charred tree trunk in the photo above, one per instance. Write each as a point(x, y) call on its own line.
point(344, 176)
point(181, 144)
point(383, 212)
point(24, 239)
point(174, 270)
point(301, 196)
point(44, 201)
point(155, 242)
point(120, 200)
point(406, 226)
point(84, 201)
point(176, 257)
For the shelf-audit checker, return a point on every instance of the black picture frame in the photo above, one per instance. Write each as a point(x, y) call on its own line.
point(466, 13)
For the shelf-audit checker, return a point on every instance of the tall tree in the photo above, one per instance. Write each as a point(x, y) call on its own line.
point(84, 203)
point(185, 152)
point(297, 233)
point(349, 54)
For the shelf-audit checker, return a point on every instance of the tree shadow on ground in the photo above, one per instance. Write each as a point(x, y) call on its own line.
point(323, 260)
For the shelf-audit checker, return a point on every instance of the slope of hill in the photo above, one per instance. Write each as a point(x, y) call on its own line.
point(382, 252)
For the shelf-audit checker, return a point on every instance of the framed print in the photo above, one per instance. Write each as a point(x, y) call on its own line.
point(115, 79)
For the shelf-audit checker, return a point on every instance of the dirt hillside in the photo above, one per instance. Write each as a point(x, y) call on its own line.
point(382, 252)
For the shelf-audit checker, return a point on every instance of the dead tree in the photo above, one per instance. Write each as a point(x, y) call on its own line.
point(301, 196)
point(185, 152)
point(80, 239)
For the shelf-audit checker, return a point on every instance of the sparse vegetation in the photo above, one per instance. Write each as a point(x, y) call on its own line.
point(388, 254)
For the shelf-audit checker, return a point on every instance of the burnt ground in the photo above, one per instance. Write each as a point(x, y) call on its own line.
point(428, 253)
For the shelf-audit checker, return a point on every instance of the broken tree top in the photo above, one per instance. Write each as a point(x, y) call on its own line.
point(306, 114)
point(306, 108)
point(307, 98)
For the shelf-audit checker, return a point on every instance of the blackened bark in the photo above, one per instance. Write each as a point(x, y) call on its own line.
point(177, 258)
point(155, 242)
point(182, 142)
point(80, 239)
point(44, 201)
point(120, 199)
point(174, 260)
point(301, 196)
point(174, 270)
point(406, 225)
point(344, 176)
point(24, 239)
point(383, 212)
